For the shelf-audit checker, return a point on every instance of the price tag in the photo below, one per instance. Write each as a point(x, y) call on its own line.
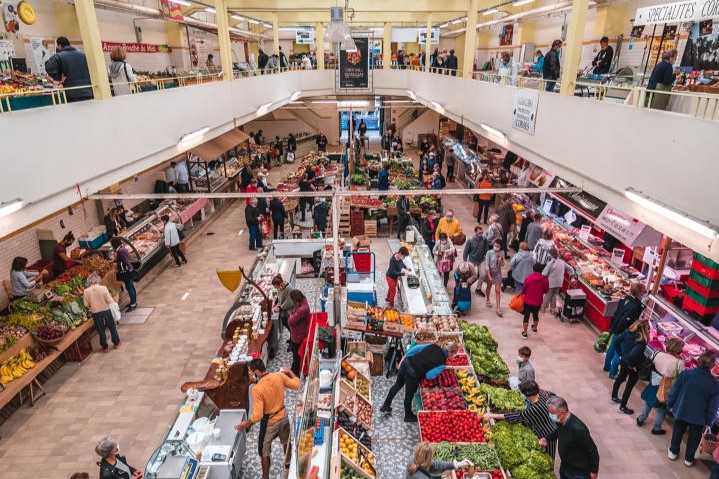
point(584, 232)
point(571, 217)
point(547, 206)
point(618, 256)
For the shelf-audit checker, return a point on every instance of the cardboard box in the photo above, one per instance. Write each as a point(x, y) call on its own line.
point(362, 241)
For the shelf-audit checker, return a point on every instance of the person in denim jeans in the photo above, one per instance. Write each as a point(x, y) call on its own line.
point(97, 298)
point(252, 217)
point(628, 311)
point(668, 366)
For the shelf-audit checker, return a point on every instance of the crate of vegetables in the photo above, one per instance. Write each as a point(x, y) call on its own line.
point(452, 426)
point(483, 456)
point(446, 379)
point(503, 400)
point(458, 360)
point(443, 400)
point(363, 385)
point(354, 455)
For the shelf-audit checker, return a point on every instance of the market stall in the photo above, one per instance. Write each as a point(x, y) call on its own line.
point(216, 164)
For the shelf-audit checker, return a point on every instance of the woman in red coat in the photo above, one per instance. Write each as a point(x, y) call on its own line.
point(534, 288)
point(299, 324)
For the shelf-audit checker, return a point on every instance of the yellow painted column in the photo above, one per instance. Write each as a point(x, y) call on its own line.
point(428, 43)
point(223, 37)
point(92, 45)
point(573, 51)
point(470, 39)
point(526, 32)
point(609, 21)
point(276, 35)
point(320, 45)
point(387, 46)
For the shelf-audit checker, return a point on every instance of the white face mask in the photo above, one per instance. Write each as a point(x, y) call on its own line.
point(520, 359)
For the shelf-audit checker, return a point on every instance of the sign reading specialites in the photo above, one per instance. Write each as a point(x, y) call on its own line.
point(354, 65)
point(136, 47)
point(679, 12)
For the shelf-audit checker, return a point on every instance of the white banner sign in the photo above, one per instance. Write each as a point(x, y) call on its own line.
point(525, 110)
point(422, 32)
point(305, 36)
point(620, 225)
point(679, 12)
point(7, 50)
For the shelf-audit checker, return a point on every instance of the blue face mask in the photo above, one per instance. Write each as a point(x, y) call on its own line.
point(553, 417)
point(496, 249)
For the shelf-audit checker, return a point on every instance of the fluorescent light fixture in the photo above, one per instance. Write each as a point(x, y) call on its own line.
point(253, 21)
point(193, 135)
point(295, 95)
point(297, 103)
point(325, 102)
point(210, 10)
point(490, 11)
point(10, 207)
point(412, 94)
point(237, 17)
point(493, 130)
point(437, 107)
point(267, 25)
point(460, 20)
point(353, 104)
point(701, 227)
point(182, 2)
point(519, 3)
point(264, 108)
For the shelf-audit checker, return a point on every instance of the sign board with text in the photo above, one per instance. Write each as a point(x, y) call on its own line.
point(422, 33)
point(525, 111)
point(584, 233)
point(305, 36)
point(172, 11)
point(136, 47)
point(618, 256)
point(620, 225)
point(354, 65)
point(679, 12)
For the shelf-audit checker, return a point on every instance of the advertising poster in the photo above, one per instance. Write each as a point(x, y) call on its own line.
point(7, 50)
point(354, 65)
point(505, 37)
point(172, 11)
point(199, 46)
point(670, 32)
point(524, 114)
point(701, 50)
point(706, 27)
point(305, 36)
point(42, 50)
point(422, 32)
point(637, 31)
point(12, 21)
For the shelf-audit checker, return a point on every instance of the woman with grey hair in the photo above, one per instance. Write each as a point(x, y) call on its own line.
point(113, 465)
point(661, 80)
point(97, 298)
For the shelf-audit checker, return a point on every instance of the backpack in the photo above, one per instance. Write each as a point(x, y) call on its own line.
point(443, 181)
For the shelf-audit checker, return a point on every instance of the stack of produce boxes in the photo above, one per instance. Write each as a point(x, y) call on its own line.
point(702, 296)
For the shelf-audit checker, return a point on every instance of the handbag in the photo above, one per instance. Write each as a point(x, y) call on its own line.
point(517, 302)
point(709, 442)
point(459, 239)
point(115, 310)
point(665, 386)
point(475, 208)
point(444, 265)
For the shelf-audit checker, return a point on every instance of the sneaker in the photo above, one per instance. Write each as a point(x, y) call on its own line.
point(658, 432)
point(626, 410)
point(524, 335)
point(612, 377)
point(500, 313)
point(105, 350)
point(616, 400)
point(386, 409)
point(688, 463)
point(131, 308)
point(671, 455)
point(117, 346)
point(410, 418)
point(534, 329)
point(640, 422)
point(479, 292)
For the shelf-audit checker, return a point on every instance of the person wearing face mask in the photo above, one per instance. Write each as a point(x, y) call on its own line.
point(395, 273)
point(475, 250)
point(494, 260)
point(428, 228)
point(449, 226)
point(536, 416)
point(444, 253)
point(268, 401)
point(539, 62)
point(525, 370)
point(112, 464)
point(577, 450)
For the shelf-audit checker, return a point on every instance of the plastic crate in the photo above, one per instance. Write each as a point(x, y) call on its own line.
point(701, 299)
point(701, 279)
point(705, 270)
point(702, 290)
point(691, 305)
point(711, 263)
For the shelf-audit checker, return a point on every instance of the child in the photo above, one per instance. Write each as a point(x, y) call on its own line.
point(526, 370)
point(462, 298)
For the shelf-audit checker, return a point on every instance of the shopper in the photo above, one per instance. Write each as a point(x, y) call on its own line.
point(628, 311)
point(284, 64)
point(259, 138)
point(278, 150)
point(60, 260)
point(112, 464)
point(291, 147)
point(508, 69)
point(299, 324)
point(494, 230)
point(555, 270)
point(535, 286)
point(494, 260)
point(97, 298)
point(693, 400)
point(125, 271)
point(424, 465)
point(305, 185)
point(403, 216)
point(661, 80)
point(444, 253)
point(23, 281)
point(450, 226)
point(542, 251)
point(279, 214)
point(536, 416)
point(182, 176)
point(268, 409)
point(436, 183)
point(246, 176)
point(475, 251)
point(602, 62)
point(550, 69)
point(525, 370)
point(122, 78)
point(630, 345)
point(251, 188)
point(383, 178)
point(534, 230)
point(484, 199)
point(395, 273)
point(667, 366)
point(252, 217)
point(306, 63)
point(451, 63)
point(172, 240)
point(319, 215)
point(283, 303)
point(262, 60)
point(521, 266)
point(538, 62)
point(321, 141)
point(451, 163)
point(210, 63)
point(508, 220)
point(579, 454)
point(428, 229)
point(69, 67)
point(421, 362)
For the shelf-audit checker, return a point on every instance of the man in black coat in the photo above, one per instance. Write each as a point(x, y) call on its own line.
point(279, 214)
point(262, 60)
point(628, 311)
point(551, 66)
point(320, 215)
point(252, 217)
point(452, 63)
point(69, 67)
point(283, 60)
point(402, 215)
point(603, 61)
point(321, 142)
point(577, 450)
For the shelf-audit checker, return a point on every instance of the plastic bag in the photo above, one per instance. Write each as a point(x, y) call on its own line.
point(517, 302)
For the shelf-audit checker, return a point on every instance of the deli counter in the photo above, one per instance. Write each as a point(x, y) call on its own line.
point(467, 166)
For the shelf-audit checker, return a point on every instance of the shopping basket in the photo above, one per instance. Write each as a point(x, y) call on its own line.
point(709, 442)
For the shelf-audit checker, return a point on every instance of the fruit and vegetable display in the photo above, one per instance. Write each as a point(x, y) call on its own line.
point(72, 285)
point(358, 179)
point(356, 453)
point(442, 400)
point(348, 371)
point(452, 426)
point(471, 393)
point(362, 385)
point(458, 360)
point(520, 452)
point(349, 423)
point(71, 312)
point(15, 367)
point(366, 202)
point(446, 323)
point(482, 456)
point(482, 349)
point(49, 333)
point(446, 379)
point(504, 400)
point(98, 264)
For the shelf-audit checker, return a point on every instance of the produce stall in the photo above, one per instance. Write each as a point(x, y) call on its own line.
point(305, 145)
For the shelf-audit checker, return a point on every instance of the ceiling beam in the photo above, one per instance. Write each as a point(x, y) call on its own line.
point(425, 6)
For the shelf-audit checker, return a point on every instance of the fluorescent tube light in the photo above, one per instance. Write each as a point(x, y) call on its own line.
point(493, 131)
point(490, 11)
point(193, 135)
point(238, 17)
point(519, 3)
point(701, 227)
point(253, 21)
point(460, 20)
point(182, 2)
point(295, 95)
point(210, 10)
point(437, 107)
point(323, 102)
point(10, 207)
point(412, 94)
point(267, 25)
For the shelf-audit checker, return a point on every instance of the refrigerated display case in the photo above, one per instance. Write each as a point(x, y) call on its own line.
point(207, 176)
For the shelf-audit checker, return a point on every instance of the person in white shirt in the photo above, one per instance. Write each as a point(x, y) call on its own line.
point(172, 241)
point(182, 177)
point(507, 69)
point(306, 63)
point(21, 280)
point(121, 75)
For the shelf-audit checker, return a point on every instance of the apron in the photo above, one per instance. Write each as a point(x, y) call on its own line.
point(263, 426)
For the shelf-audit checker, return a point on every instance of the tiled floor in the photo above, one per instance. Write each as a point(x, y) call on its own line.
point(133, 393)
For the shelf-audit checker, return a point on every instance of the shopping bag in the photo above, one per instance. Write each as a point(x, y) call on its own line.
point(665, 385)
point(709, 442)
point(115, 310)
point(475, 209)
point(290, 157)
point(444, 265)
point(183, 247)
point(517, 302)
point(265, 228)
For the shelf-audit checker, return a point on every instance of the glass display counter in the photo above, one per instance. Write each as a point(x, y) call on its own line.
point(207, 176)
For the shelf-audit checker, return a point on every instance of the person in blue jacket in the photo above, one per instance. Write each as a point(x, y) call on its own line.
point(631, 345)
point(539, 63)
point(383, 179)
point(694, 400)
point(425, 361)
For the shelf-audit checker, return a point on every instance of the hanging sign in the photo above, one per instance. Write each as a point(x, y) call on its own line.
point(7, 50)
point(12, 20)
point(584, 233)
point(354, 65)
point(136, 47)
point(547, 206)
point(422, 32)
point(42, 50)
point(570, 217)
point(679, 12)
point(620, 225)
point(305, 36)
point(618, 256)
point(172, 11)
point(525, 110)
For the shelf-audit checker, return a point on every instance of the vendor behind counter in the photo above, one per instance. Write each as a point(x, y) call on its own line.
point(60, 260)
point(23, 281)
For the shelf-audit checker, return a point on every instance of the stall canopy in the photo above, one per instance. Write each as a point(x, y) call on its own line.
point(212, 149)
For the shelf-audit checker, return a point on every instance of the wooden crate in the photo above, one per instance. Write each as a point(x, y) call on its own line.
point(370, 228)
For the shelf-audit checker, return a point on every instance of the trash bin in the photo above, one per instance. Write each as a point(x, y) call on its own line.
point(574, 301)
